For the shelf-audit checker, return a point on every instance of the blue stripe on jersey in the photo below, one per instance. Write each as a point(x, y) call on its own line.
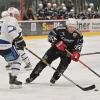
point(20, 33)
point(11, 28)
point(4, 42)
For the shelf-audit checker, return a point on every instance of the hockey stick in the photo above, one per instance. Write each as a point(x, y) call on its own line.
point(90, 53)
point(84, 64)
point(44, 61)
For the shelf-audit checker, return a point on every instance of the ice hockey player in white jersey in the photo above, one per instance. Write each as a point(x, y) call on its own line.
point(20, 44)
point(9, 34)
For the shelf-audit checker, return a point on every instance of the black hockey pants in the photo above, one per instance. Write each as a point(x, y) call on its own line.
point(51, 55)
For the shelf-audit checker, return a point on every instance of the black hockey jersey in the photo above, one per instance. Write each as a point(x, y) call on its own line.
point(73, 41)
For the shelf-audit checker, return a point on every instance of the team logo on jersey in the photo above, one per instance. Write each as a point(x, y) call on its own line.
point(74, 35)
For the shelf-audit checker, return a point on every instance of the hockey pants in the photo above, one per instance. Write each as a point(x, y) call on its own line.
point(51, 55)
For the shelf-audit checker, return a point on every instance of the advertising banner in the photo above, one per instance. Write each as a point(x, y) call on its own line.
point(84, 25)
point(95, 25)
point(44, 27)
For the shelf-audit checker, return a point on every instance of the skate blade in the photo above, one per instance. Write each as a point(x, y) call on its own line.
point(13, 86)
point(51, 84)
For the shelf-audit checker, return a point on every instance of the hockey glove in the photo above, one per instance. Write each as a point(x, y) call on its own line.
point(19, 43)
point(75, 56)
point(60, 46)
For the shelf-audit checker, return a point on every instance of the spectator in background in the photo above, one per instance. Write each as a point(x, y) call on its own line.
point(65, 13)
point(44, 2)
point(71, 14)
point(96, 15)
point(49, 11)
point(89, 13)
point(61, 11)
point(28, 15)
point(91, 5)
point(69, 5)
point(81, 15)
point(40, 12)
point(55, 11)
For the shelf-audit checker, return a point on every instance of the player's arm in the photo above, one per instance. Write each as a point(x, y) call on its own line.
point(15, 33)
point(12, 28)
point(53, 36)
point(55, 39)
point(77, 49)
point(19, 42)
point(79, 44)
point(56, 34)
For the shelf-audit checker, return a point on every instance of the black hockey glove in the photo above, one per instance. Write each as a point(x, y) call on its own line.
point(19, 43)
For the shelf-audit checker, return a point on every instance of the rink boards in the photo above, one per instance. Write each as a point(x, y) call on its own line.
point(45, 36)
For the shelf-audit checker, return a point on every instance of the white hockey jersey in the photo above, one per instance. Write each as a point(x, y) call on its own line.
point(9, 30)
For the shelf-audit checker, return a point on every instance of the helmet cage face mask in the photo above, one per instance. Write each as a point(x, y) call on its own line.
point(13, 12)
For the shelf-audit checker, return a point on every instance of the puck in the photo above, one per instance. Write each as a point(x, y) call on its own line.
point(96, 90)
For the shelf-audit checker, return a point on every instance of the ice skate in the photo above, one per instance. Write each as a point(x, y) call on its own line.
point(14, 83)
point(52, 81)
point(29, 80)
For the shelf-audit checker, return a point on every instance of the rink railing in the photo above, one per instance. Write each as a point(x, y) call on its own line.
point(42, 27)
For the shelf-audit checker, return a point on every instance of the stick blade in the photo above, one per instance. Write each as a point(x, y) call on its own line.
point(88, 88)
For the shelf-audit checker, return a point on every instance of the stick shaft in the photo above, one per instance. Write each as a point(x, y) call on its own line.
point(90, 53)
point(84, 65)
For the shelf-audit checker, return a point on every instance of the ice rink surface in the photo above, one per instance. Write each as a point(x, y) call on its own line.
point(40, 89)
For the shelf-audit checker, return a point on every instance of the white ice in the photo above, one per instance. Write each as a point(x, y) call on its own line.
point(40, 89)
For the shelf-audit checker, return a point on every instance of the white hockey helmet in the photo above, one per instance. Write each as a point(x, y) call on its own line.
point(40, 5)
point(71, 22)
point(4, 14)
point(13, 12)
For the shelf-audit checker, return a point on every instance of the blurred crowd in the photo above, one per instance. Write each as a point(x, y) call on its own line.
point(53, 11)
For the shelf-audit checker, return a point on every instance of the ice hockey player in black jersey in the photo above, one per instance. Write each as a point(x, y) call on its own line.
point(61, 38)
